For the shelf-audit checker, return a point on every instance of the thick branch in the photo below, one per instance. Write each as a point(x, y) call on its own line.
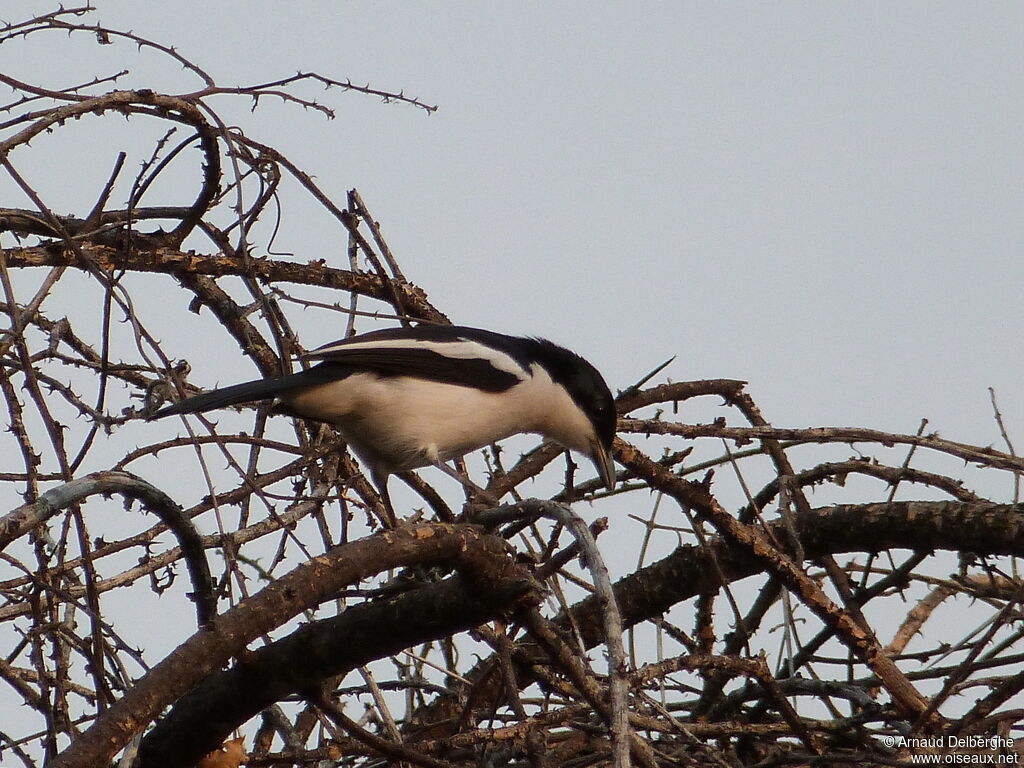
point(228, 635)
point(489, 586)
point(171, 261)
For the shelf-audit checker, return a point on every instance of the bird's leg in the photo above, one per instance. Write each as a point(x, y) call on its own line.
point(475, 489)
point(380, 480)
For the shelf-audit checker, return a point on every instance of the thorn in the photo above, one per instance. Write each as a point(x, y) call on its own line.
point(634, 387)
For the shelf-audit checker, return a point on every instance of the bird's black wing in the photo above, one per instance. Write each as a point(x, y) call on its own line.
point(422, 364)
point(450, 354)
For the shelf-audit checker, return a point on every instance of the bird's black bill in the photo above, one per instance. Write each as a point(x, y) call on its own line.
point(602, 459)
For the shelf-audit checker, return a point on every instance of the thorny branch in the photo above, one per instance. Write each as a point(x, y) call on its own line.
point(764, 629)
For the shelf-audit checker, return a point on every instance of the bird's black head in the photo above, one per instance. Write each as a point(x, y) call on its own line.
point(588, 391)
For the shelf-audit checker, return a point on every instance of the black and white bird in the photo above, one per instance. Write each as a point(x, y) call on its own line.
point(404, 398)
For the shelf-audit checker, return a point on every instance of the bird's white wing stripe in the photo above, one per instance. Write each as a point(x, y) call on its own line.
point(456, 350)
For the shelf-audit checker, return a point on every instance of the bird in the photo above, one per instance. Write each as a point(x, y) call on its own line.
point(410, 397)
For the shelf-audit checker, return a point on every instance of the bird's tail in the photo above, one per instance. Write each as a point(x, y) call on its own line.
point(248, 392)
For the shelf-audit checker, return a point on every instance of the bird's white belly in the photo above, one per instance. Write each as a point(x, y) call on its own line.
point(399, 423)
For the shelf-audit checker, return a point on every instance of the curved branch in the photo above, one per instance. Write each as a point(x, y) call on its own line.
point(28, 222)
point(15, 524)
